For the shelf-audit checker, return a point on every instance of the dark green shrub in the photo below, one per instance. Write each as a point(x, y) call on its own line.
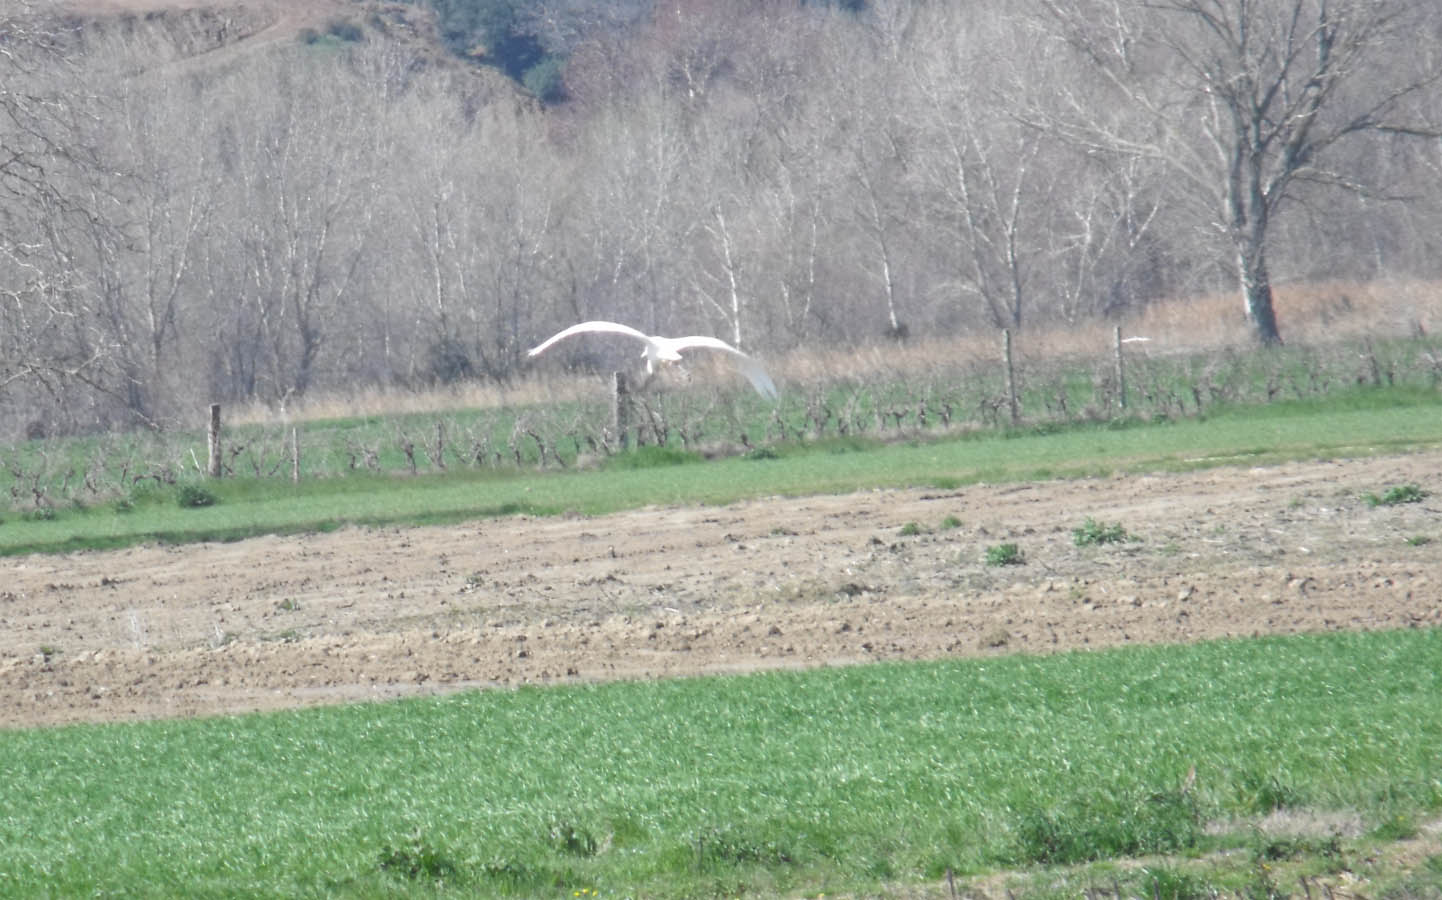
point(190, 496)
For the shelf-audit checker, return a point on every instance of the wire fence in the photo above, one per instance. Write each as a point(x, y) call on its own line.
point(894, 396)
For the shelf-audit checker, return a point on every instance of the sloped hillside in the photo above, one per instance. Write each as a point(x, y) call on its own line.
point(277, 17)
point(162, 32)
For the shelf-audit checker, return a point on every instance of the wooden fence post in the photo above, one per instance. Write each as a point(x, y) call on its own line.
point(1010, 376)
point(294, 455)
point(620, 413)
point(1121, 372)
point(213, 441)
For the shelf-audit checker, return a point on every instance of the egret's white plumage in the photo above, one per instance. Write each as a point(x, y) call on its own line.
point(663, 349)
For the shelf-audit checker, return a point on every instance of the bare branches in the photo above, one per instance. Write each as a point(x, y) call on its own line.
point(297, 221)
point(1246, 98)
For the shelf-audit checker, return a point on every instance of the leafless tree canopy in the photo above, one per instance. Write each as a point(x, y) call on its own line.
point(259, 225)
point(1249, 102)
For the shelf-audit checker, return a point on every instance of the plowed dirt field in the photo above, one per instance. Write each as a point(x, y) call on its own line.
point(366, 614)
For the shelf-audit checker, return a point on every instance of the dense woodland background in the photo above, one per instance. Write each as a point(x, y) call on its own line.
point(414, 195)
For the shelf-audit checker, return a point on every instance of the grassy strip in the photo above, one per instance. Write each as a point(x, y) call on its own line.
point(826, 781)
point(247, 507)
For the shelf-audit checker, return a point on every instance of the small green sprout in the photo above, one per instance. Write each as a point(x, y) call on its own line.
point(1004, 555)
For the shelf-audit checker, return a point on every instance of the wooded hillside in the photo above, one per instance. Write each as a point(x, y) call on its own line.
point(182, 222)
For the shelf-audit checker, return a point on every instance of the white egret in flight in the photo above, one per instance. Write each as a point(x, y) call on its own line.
point(668, 350)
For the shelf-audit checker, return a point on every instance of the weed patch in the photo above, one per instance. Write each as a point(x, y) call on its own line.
point(1394, 496)
point(1101, 827)
point(509, 874)
point(419, 862)
point(1423, 883)
point(1396, 827)
point(1170, 883)
point(1092, 532)
point(1264, 794)
point(572, 839)
point(1004, 555)
point(730, 847)
point(652, 457)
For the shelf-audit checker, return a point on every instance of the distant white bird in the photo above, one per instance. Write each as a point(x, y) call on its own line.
point(668, 350)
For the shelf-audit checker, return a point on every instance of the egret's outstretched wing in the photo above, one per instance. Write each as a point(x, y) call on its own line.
point(748, 365)
point(701, 340)
point(757, 376)
point(593, 327)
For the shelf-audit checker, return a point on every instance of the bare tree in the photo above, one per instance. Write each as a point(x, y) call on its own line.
point(1106, 239)
point(1245, 100)
point(51, 193)
point(523, 200)
point(989, 188)
point(141, 254)
point(302, 211)
point(441, 241)
point(37, 122)
point(650, 234)
point(877, 152)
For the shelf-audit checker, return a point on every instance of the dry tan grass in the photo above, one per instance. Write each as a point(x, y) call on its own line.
point(1307, 313)
point(1315, 313)
point(526, 390)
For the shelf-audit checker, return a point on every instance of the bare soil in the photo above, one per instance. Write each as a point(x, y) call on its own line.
point(367, 614)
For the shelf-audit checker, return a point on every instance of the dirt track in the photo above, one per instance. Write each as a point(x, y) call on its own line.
point(367, 614)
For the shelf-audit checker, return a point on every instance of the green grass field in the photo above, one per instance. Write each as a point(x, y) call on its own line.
point(835, 781)
point(1356, 423)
